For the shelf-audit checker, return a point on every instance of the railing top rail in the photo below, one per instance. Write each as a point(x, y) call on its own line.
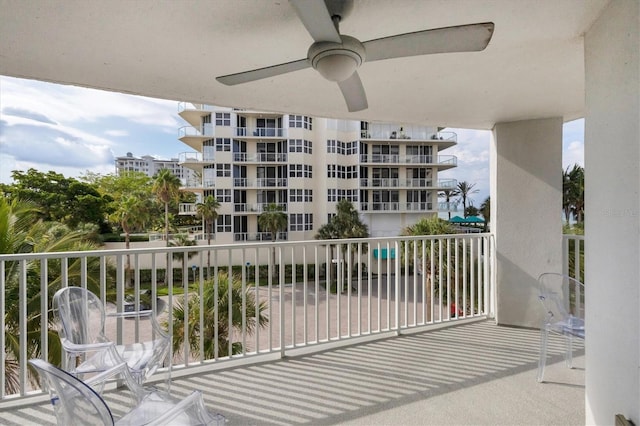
point(232, 246)
point(573, 237)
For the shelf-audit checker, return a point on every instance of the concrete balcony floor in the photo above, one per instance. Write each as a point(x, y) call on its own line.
point(473, 374)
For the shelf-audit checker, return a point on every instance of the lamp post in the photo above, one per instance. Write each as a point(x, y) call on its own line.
point(193, 268)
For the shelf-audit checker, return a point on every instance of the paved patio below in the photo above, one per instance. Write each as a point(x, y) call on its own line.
point(472, 374)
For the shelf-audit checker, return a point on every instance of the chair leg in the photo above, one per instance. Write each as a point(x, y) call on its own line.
point(544, 336)
point(568, 355)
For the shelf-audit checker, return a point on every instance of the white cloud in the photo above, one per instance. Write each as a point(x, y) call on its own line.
point(116, 133)
point(573, 154)
point(68, 104)
point(472, 152)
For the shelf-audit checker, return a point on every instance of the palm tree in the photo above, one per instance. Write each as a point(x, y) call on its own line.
point(427, 226)
point(208, 212)
point(166, 186)
point(448, 194)
point(22, 232)
point(573, 193)
point(485, 210)
point(215, 305)
point(273, 220)
point(182, 240)
point(465, 190)
point(132, 214)
point(346, 224)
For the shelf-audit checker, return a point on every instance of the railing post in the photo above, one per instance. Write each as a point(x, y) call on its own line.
point(282, 302)
point(397, 282)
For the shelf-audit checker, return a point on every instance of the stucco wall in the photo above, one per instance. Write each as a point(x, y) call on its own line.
point(526, 203)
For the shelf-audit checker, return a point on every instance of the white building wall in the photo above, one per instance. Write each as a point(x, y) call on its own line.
point(612, 220)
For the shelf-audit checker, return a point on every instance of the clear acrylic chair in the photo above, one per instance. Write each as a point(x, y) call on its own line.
point(563, 300)
point(78, 403)
point(80, 317)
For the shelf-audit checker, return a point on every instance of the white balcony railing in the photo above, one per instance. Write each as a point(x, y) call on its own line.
point(408, 183)
point(256, 208)
point(393, 131)
point(206, 130)
point(442, 160)
point(261, 132)
point(396, 207)
point(384, 285)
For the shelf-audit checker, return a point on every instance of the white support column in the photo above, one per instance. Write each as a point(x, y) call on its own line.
point(526, 207)
point(612, 214)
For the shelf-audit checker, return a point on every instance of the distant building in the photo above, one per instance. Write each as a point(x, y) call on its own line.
point(150, 166)
point(248, 159)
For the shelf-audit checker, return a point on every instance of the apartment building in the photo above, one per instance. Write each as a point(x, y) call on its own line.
point(150, 165)
point(248, 159)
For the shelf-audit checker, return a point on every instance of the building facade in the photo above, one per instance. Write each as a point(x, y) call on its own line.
point(150, 166)
point(249, 159)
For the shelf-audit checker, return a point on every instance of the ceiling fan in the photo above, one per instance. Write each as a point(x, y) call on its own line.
point(336, 57)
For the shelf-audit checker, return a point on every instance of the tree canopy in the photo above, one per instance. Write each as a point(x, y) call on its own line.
point(573, 193)
point(60, 199)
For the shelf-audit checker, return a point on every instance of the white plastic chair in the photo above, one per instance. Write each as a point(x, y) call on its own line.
point(80, 317)
point(563, 300)
point(76, 403)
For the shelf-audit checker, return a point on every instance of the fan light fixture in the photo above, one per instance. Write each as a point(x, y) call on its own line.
point(336, 61)
point(336, 67)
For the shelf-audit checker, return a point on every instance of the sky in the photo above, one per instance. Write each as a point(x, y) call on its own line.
point(72, 130)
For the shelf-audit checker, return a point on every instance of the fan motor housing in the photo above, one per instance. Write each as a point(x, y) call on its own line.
point(336, 61)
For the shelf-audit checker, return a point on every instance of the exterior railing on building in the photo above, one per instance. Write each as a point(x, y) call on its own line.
point(409, 159)
point(206, 130)
point(256, 208)
point(384, 285)
point(393, 131)
point(409, 183)
point(261, 132)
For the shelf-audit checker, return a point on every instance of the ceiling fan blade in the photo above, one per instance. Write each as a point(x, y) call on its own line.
point(260, 73)
point(353, 92)
point(461, 38)
point(316, 19)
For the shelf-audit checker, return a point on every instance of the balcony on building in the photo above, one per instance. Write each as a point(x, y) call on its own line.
point(194, 160)
point(194, 136)
point(260, 132)
point(442, 162)
point(257, 208)
point(387, 131)
point(427, 183)
point(380, 340)
point(262, 157)
point(193, 113)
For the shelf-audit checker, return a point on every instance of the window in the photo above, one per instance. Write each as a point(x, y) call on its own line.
point(300, 222)
point(300, 145)
point(223, 119)
point(223, 170)
point(295, 170)
point(300, 195)
point(295, 195)
point(300, 122)
point(332, 146)
point(223, 195)
point(224, 223)
point(351, 148)
point(332, 195)
point(331, 170)
point(223, 144)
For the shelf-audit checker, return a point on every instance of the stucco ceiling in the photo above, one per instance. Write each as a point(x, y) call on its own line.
point(533, 67)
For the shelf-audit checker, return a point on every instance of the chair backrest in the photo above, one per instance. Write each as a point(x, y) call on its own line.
point(561, 296)
point(73, 401)
point(79, 314)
